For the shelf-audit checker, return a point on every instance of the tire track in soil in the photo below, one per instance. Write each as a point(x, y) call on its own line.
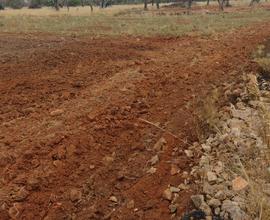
point(96, 145)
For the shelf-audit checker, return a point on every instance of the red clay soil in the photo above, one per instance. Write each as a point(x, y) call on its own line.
point(70, 108)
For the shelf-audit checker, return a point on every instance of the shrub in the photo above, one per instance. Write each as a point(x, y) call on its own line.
point(48, 3)
point(35, 4)
point(2, 7)
point(16, 4)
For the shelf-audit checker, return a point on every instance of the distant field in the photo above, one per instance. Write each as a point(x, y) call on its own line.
point(129, 20)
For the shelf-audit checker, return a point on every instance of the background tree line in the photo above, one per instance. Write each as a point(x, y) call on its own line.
point(57, 4)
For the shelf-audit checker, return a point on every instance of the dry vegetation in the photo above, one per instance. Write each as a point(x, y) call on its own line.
point(126, 20)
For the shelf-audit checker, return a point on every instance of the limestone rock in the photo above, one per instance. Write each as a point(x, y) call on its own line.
point(211, 177)
point(197, 200)
point(214, 203)
point(113, 199)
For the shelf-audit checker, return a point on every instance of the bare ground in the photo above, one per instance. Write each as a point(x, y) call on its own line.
point(71, 135)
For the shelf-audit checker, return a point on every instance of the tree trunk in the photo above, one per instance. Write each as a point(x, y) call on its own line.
point(56, 5)
point(145, 4)
point(82, 3)
point(66, 2)
point(157, 3)
point(91, 6)
point(207, 2)
point(253, 1)
point(221, 4)
point(189, 4)
point(152, 2)
point(227, 3)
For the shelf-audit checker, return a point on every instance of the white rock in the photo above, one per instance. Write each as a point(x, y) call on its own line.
point(113, 199)
point(174, 189)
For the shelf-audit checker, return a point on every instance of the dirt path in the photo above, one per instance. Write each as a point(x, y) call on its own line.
point(71, 135)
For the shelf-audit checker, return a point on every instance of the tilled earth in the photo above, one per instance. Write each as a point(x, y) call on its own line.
point(81, 118)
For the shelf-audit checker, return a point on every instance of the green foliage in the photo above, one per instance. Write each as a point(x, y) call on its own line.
point(16, 4)
point(74, 2)
point(2, 7)
point(48, 3)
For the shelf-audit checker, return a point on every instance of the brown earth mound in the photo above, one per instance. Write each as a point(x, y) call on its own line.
point(74, 143)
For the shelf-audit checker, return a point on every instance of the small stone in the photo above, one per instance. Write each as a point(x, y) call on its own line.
point(268, 170)
point(182, 186)
point(197, 200)
point(75, 195)
point(160, 144)
point(173, 208)
point(204, 161)
point(33, 183)
point(189, 153)
point(21, 195)
point(234, 210)
point(167, 194)
point(214, 203)
point(57, 112)
point(154, 160)
point(217, 211)
point(185, 174)
point(13, 212)
point(174, 170)
point(120, 175)
point(113, 199)
point(211, 177)
point(108, 159)
point(206, 148)
point(152, 170)
point(58, 163)
point(174, 189)
point(219, 168)
point(239, 183)
point(221, 195)
point(206, 209)
point(131, 204)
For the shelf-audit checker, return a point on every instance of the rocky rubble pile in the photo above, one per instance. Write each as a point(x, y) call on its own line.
point(229, 154)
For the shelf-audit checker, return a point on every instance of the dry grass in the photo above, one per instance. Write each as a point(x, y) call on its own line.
point(258, 164)
point(264, 63)
point(123, 20)
point(207, 116)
